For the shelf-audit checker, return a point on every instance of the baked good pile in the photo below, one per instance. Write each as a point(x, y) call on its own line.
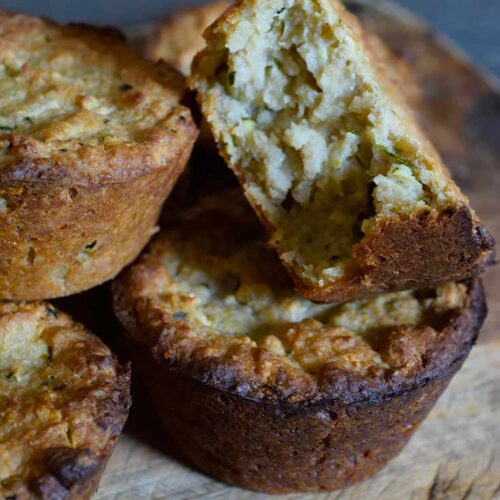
point(315, 281)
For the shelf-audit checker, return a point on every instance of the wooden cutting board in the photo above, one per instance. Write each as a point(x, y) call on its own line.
point(456, 453)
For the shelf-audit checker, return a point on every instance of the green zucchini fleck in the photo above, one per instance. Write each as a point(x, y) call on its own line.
point(48, 381)
point(395, 155)
point(249, 124)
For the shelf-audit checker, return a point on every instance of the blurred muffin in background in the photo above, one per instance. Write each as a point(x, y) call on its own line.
point(179, 37)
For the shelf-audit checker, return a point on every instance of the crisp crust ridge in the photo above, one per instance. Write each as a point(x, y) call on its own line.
point(278, 448)
point(257, 373)
point(396, 256)
point(274, 362)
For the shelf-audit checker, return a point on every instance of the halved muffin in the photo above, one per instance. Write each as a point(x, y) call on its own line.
point(355, 198)
point(261, 388)
point(92, 139)
point(64, 399)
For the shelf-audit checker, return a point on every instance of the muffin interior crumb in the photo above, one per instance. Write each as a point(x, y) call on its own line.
point(310, 131)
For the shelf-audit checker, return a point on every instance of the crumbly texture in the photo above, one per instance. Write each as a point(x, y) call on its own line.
point(90, 135)
point(329, 153)
point(266, 390)
point(179, 37)
point(63, 402)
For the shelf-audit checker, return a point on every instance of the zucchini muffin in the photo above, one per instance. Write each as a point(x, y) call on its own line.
point(355, 198)
point(263, 389)
point(92, 139)
point(64, 399)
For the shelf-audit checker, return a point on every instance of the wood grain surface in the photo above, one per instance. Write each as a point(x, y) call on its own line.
point(456, 453)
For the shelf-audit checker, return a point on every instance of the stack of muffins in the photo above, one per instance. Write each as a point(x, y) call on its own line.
point(256, 384)
point(93, 138)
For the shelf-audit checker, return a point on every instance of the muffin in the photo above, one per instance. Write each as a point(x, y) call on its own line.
point(64, 399)
point(178, 37)
point(353, 195)
point(92, 139)
point(265, 390)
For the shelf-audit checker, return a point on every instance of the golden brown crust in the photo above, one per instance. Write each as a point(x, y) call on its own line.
point(64, 400)
point(307, 407)
point(62, 240)
point(178, 37)
point(406, 253)
point(81, 187)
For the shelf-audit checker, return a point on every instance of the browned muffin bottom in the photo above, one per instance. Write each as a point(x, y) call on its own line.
point(266, 390)
point(92, 138)
point(64, 399)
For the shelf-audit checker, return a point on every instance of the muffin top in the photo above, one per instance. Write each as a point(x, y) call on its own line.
point(211, 299)
point(78, 103)
point(63, 400)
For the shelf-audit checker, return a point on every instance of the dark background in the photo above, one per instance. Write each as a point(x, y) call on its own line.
point(474, 25)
